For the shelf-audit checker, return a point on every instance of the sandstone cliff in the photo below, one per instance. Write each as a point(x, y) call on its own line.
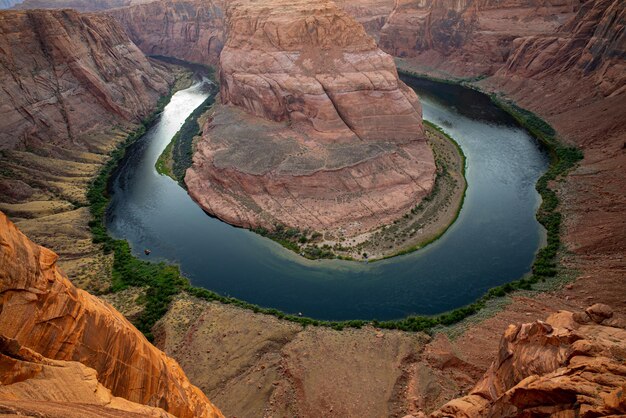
point(187, 30)
point(73, 86)
point(345, 149)
point(33, 385)
point(45, 313)
point(569, 365)
point(468, 37)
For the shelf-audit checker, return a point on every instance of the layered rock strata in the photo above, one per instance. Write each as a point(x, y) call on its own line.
point(42, 311)
point(345, 150)
point(468, 37)
point(188, 30)
point(79, 5)
point(73, 86)
point(569, 365)
point(33, 385)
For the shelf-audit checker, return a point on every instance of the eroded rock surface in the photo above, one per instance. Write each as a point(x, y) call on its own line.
point(45, 313)
point(188, 30)
point(33, 384)
point(73, 86)
point(346, 151)
point(569, 365)
point(468, 37)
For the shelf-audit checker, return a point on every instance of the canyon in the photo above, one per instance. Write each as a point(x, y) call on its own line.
point(525, 51)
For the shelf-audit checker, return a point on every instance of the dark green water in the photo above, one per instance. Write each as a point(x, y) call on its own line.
point(492, 242)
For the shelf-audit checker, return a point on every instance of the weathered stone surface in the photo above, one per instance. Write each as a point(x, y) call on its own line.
point(187, 30)
point(33, 384)
point(346, 151)
point(467, 37)
point(560, 366)
point(66, 75)
point(45, 313)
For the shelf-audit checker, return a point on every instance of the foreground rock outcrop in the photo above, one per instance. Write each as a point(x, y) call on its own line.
point(33, 385)
point(43, 312)
point(569, 365)
point(345, 150)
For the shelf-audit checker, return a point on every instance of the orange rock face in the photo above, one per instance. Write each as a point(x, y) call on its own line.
point(44, 312)
point(570, 365)
point(345, 150)
point(66, 75)
point(33, 384)
point(187, 30)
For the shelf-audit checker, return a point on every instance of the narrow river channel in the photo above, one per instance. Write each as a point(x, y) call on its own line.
point(493, 241)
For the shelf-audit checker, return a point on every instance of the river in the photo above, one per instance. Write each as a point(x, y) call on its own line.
point(493, 241)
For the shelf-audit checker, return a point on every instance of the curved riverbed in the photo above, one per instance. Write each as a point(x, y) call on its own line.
point(492, 242)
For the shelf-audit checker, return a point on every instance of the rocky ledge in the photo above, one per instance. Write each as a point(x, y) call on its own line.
point(316, 130)
point(43, 312)
point(570, 365)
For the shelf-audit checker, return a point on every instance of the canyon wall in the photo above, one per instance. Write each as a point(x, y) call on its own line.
point(188, 30)
point(73, 87)
point(80, 73)
point(344, 149)
point(42, 311)
point(467, 37)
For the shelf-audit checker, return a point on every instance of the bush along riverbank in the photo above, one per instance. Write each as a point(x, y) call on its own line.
point(420, 226)
point(164, 281)
point(176, 158)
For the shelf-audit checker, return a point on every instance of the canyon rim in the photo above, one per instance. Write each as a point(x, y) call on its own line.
point(312, 131)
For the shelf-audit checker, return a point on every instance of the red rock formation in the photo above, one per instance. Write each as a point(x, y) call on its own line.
point(66, 75)
point(187, 30)
point(372, 14)
point(352, 155)
point(570, 365)
point(44, 312)
point(467, 37)
point(33, 385)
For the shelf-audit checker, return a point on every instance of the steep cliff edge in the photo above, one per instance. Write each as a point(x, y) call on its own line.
point(73, 86)
point(329, 139)
point(569, 365)
point(45, 313)
point(467, 37)
point(187, 30)
point(33, 385)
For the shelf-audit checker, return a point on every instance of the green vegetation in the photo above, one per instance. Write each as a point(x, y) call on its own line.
point(176, 158)
point(298, 241)
point(433, 192)
point(164, 281)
